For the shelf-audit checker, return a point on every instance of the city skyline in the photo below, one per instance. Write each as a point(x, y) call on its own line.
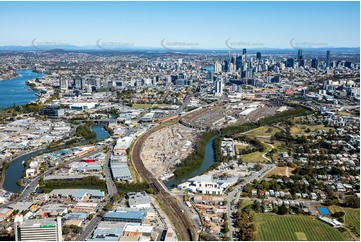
point(181, 25)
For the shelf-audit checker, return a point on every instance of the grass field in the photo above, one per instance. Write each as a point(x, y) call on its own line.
point(281, 171)
point(245, 203)
point(352, 218)
point(301, 129)
point(240, 147)
point(295, 227)
point(256, 156)
point(263, 131)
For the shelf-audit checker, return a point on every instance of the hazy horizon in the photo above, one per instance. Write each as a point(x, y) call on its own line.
point(181, 25)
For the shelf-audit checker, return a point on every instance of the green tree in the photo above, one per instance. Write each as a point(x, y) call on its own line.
point(116, 197)
point(283, 210)
point(109, 206)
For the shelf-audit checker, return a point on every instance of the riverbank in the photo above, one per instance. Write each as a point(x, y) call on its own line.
point(207, 161)
point(10, 77)
point(14, 91)
point(16, 169)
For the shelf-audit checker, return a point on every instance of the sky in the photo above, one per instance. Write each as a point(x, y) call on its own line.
point(181, 24)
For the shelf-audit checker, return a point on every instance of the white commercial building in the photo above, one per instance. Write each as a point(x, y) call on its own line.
point(139, 200)
point(39, 230)
point(207, 184)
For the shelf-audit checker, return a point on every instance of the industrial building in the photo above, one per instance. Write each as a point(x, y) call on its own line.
point(119, 168)
point(139, 200)
point(125, 216)
point(78, 194)
point(109, 231)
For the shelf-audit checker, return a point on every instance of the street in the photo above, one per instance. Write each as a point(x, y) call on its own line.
point(88, 229)
point(238, 190)
point(108, 176)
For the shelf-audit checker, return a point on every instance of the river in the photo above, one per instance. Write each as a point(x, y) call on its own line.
point(15, 91)
point(16, 168)
point(208, 161)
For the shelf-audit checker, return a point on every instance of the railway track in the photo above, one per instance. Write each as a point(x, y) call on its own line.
point(181, 221)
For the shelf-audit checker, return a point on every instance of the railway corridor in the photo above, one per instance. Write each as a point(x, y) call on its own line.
point(185, 228)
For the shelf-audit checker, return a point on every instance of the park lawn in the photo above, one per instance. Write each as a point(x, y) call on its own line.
point(240, 147)
point(263, 131)
point(245, 203)
point(253, 157)
point(280, 146)
point(256, 156)
point(295, 227)
point(300, 128)
point(352, 217)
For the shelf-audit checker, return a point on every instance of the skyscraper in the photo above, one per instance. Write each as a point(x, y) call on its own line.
point(301, 63)
point(225, 66)
point(219, 87)
point(299, 56)
point(290, 62)
point(244, 51)
point(238, 62)
point(314, 63)
point(258, 56)
point(328, 58)
point(217, 67)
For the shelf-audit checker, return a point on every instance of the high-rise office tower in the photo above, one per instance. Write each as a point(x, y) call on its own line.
point(225, 66)
point(314, 63)
point(217, 67)
point(290, 62)
point(238, 62)
point(258, 56)
point(47, 229)
point(299, 55)
point(328, 58)
point(301, 63)
point(244, 51)
point(77, 83)
point(219, 87)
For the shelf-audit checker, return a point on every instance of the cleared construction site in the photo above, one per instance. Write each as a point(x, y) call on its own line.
point(167, 147)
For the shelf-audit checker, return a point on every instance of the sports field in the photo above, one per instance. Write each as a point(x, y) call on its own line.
point(295, 227)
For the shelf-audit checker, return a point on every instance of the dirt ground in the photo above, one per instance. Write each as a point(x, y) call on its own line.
point(166, 147)
point(281, 171)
